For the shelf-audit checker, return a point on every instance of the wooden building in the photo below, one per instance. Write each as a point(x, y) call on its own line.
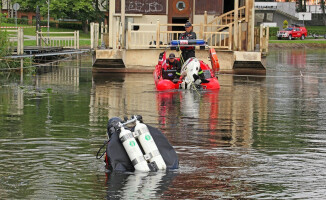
point(173, 11)
point(146, 27)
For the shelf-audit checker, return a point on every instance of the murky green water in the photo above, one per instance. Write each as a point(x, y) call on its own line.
point(258, 137)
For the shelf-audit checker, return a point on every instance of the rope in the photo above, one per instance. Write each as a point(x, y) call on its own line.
point(98, 152)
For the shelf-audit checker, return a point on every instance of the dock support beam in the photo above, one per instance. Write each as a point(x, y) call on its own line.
point(236, 27)
point(111, 22)
point(123, 23)
point(250, 19)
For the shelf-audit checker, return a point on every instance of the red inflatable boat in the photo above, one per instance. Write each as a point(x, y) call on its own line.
point(168, 80)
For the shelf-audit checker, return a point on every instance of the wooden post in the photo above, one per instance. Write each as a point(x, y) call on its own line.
point(267, 38)
point(128, 46)
point(111, 23)
point(37, 40)
point(205, 24)
point(77, 39)
point(230, 37)
point(261, 37)
point(92, 35)
point(240, 34)
point(251, 23)
point(102, 28)
point(97, 29)
point(236, 27)
point(123, 22)
point(247, 11)
point(21, 41)
point(201, 31)
point(18, 41)
point(158, 34)
point(116, 38)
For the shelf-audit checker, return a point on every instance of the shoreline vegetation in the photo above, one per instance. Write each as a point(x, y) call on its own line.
point(313, 43)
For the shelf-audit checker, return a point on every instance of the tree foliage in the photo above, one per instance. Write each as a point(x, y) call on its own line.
point(285, 24)
point(82, 10)
point(4, 47)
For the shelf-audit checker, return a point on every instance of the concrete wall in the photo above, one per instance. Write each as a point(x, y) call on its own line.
point(287, 7)
point(146, 59)
point(265, 16)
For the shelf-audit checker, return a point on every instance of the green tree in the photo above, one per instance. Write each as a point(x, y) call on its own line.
point(285, 24)
point(83, 10)
point(4, 47)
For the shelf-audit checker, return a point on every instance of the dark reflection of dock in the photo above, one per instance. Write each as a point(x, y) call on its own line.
point(121, 94)
point(54, 76)
point(222, 118)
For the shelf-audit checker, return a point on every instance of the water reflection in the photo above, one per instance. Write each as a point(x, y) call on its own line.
point(222, 117)
point(258, 137)
point(139, 185)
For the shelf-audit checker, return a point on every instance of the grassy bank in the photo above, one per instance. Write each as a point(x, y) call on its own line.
point(298, 41)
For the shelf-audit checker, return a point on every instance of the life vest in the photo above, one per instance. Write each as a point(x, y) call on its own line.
point(214, 60)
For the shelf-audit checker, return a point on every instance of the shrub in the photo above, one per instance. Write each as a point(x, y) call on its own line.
point(4, 47)
point(70, 25)
point(318, 30)
point(273, 31)
point(285, 24)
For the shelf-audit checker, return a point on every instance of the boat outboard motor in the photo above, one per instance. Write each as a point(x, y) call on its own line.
point(190, 71)
point(120, 157)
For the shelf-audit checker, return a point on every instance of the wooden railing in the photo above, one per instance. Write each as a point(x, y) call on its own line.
point(44, 39)
point(158, 35)
point(142, 39)
point(219, 39)
point(218, 33)
point(228, 18)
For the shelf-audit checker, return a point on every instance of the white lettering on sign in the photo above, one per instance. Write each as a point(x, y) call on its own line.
point(183, 41)
point(135, 6)
point(154, 7)
point(144, 6)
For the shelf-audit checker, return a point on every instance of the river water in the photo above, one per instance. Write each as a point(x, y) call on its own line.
point(258, 137)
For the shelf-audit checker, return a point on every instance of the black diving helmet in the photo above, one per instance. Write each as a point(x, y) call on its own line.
point(113, 125)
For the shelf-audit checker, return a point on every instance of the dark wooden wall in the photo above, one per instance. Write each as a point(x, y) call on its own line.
point(213, 7)
point(158, 7)
point(147, 7)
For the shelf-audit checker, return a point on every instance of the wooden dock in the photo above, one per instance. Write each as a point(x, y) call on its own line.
point(231, 34)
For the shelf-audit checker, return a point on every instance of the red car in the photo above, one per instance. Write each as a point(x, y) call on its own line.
point(293, 32)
